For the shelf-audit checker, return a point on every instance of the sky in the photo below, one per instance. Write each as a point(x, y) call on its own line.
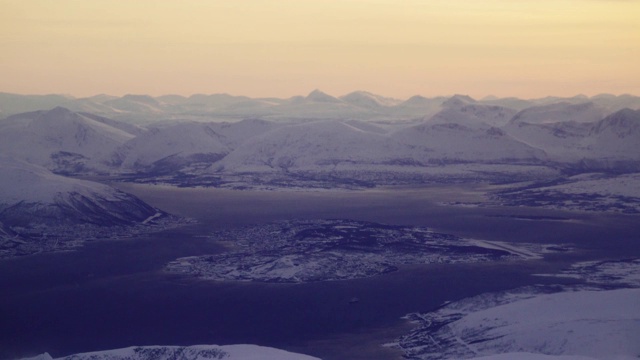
point(281, 48)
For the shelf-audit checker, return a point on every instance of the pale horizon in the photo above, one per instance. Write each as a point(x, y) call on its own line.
point(525, 49)
point(308, 92)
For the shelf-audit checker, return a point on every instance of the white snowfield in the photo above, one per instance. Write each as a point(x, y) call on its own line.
point(56, 137)
point(20, 181)
point(177, 141)
point(580, 324)
point(598, 324)
point(539, 322)
point(196, 352)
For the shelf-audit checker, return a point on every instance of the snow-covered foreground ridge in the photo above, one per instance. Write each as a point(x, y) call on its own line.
point(196, 352)
point(591, 321)
point(592, 324)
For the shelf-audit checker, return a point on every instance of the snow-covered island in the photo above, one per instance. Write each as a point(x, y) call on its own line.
point(321, 250)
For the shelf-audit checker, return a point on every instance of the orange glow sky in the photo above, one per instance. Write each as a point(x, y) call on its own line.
point(524, 48)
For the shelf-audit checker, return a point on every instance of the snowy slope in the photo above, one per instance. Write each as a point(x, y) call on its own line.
point(599, 324)
point(562, 111)
point(312, 146)
point(30, 194)
point(592, 324)
point(418, 107)
point(124, 126)
point(464, 111)
point(596, 320)
point(609, 143)
point(170, 148)
point(453, 142)
point(195, 352)
point(235, 133)
point(616, 137)
point(61, 140)
point(562, 141)
point(325, 145)
point(368, 100)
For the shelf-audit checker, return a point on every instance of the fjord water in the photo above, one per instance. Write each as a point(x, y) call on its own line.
point(113, 294)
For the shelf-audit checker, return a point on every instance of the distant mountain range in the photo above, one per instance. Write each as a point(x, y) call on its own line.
point(560, 136)
point(360, 139)
point(316, 105)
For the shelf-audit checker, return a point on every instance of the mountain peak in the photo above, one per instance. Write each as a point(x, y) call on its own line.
point(621, 122)
point(367, 99)
point(319, 96)
point(458, 100)
point(58, 111)
point(416, 100)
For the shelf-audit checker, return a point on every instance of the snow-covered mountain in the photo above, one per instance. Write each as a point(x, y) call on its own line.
point(62, 140)
point(454, 142)
point(195, 352)
point(318, 105)
point(466, 111)
point(560, 112)
point(368, 100)
point(562, 141)
point(418, 107)
point(321, 135)
point(44, 212)
point(170, 148)
point(610, 143)
point(616, 137)
point(235, 133)
point(320, 145)
point(165, 149)
point(32, 195)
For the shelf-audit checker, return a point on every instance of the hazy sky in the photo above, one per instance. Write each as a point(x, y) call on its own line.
point(399, 48)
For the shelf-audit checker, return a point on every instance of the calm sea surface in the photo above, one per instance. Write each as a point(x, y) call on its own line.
point(113, 294)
